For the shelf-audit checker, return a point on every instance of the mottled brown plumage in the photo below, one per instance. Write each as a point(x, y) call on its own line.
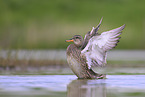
point(80, 66)
point(91, 51)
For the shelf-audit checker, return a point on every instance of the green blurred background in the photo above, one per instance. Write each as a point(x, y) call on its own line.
point(46, 24)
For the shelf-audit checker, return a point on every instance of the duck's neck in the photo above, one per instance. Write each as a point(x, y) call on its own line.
point(78, 45)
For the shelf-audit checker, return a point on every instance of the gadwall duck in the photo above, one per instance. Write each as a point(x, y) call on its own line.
point(92, 51)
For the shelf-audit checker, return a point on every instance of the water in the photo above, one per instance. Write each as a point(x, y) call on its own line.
point(70, 86)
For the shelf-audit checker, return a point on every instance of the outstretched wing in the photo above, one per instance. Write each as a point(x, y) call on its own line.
point(98, 45)
point(89, 35)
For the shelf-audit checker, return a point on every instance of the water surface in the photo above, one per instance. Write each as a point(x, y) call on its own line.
point(70, 86)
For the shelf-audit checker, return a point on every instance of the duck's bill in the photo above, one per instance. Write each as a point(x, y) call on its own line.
point(71, 40)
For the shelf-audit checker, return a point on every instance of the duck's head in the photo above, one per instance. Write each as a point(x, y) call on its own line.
point(77, 39)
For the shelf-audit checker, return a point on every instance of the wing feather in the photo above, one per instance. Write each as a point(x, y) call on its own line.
point(98, 45)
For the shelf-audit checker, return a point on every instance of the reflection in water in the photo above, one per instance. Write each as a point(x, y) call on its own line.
point(86, 88)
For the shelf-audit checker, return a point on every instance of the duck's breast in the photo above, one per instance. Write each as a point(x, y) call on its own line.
point(74, 65)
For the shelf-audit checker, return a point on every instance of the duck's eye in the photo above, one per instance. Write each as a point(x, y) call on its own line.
point(77, 37)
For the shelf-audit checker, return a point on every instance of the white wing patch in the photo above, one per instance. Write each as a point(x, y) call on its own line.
point(95, 50)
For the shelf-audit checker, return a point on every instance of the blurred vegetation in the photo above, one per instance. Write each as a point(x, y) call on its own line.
point(46, 24)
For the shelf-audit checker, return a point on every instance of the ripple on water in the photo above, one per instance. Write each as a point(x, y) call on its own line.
point(60, 82)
